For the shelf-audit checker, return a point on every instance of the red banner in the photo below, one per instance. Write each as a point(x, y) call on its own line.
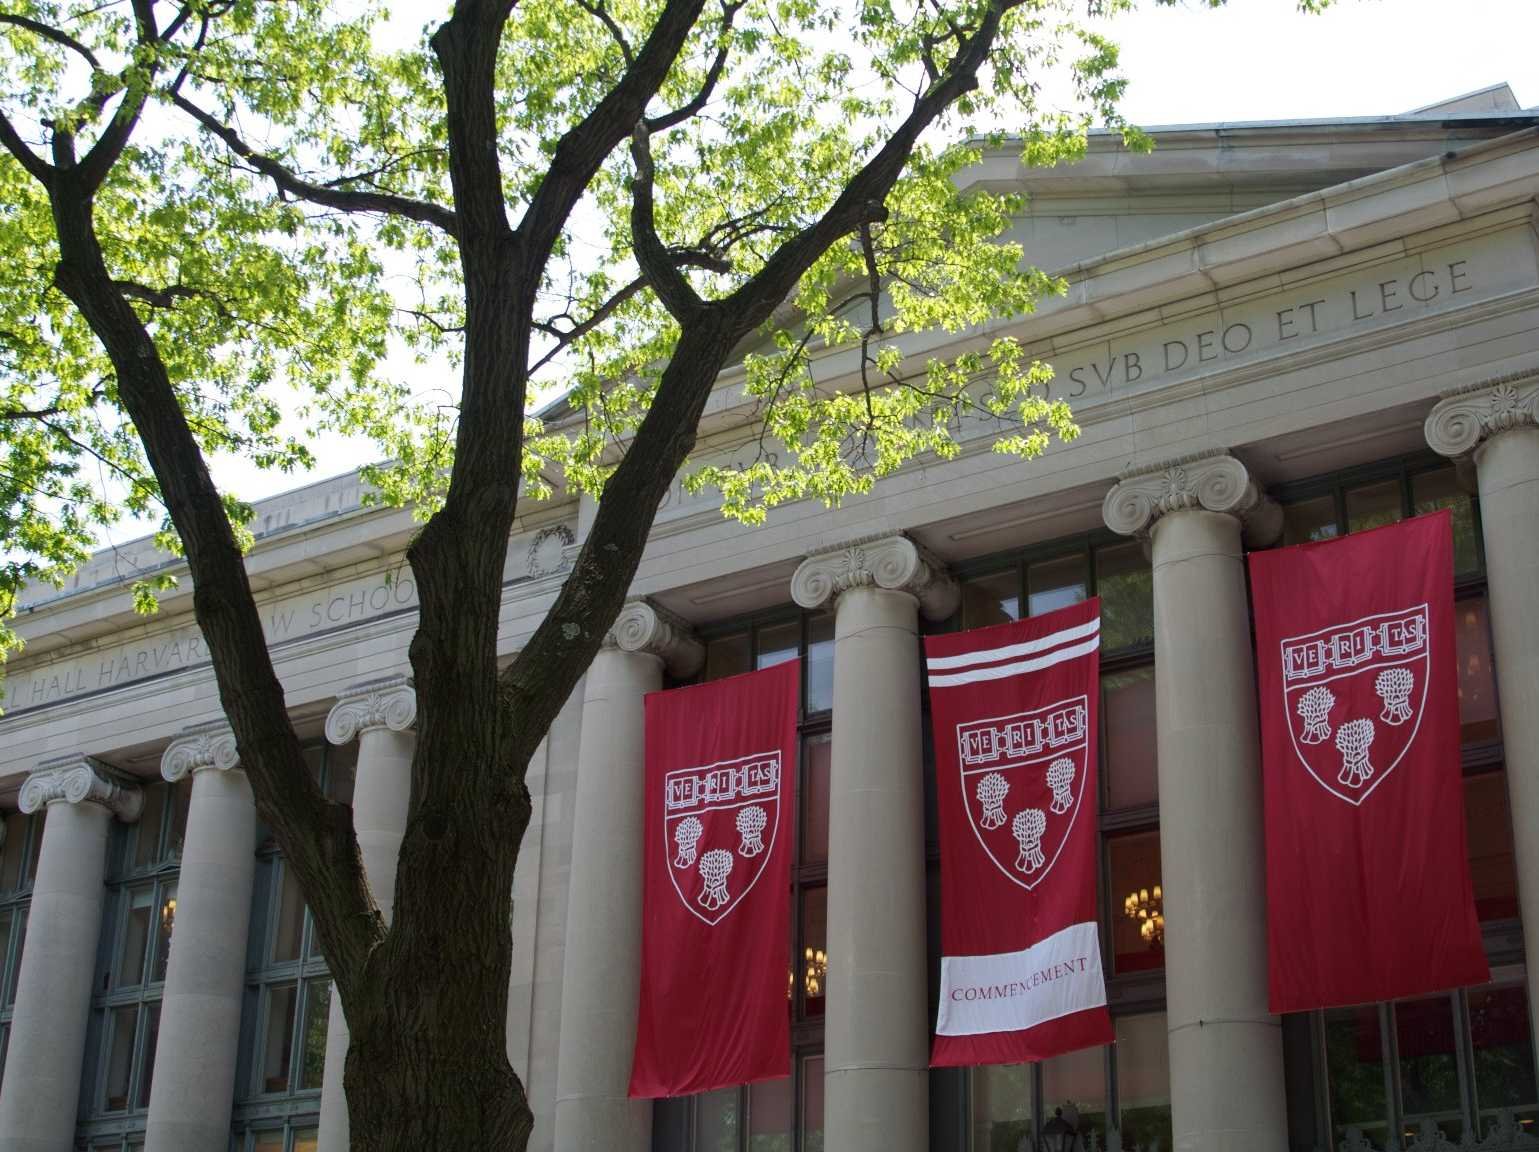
point(1014, 712)
point(715, 940)
point(1368, 884)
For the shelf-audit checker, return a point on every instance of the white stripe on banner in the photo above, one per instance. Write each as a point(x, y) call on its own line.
point(1013, 991)
point(1000, 671)
point(990, 655)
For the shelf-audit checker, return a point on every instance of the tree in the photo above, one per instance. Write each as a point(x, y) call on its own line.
point(207, 208)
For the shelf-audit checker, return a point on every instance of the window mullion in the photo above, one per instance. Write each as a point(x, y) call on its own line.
point(1464, 1051)
point(1389, 1043)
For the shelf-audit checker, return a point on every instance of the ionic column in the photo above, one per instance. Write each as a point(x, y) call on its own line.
point(194, 1081)
point(876, 1022)
point(601, 963)
point(1498, 425)
point(379, 714)
point(1226, 1068)
point(40, 1098)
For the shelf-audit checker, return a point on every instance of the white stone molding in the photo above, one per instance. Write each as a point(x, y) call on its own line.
point(79, 779)
point(389, 702)
point(646, 627)
point(1215, 482)
point(895, 563)
point(1466, 417)
point(210, 745)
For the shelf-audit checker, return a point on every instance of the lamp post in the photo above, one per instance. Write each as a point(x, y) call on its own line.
point(1061, 1133)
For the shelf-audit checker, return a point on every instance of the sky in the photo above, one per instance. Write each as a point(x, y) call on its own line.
point(1251, 60)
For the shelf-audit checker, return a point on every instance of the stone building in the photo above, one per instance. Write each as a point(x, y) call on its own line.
point(1272, 331)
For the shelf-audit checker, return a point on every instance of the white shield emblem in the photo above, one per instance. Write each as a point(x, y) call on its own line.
point(1353, 696)
point(720, 822)
point(1023, 778)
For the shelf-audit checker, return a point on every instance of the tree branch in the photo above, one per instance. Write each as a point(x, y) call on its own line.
point(582, 150)
point(534, 686)
point(861, 202)
point(316, 835)
point(102, 155)
point(290, 182)
point(57, 35)
point(158, 297)
point(600, 12)
point(566, 337)
point(659, 268)
point(712, 76)
point(40, 169)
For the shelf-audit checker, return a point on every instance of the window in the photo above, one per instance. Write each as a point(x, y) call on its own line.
point(282, 1138)
point(18, 866)
point(1009, 1104)
point(780, 1115)
point(1129, 1081)
point(143, 862)
point(288, 994)
point(1455, 1062)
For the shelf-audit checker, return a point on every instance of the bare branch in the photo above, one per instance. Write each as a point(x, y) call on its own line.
point(102, 155)
point(159, 297)
point(653, 258)
point(290, 182)
point(584, 147)
point(861, 202)
point(712, 76)
point(566, 337)
point(57, 35)
point(40, 169)
point(600, 12)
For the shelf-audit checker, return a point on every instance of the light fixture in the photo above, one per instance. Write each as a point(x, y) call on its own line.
point(1061, 1133)
point(168, 916)
point(816, 972)
point(1148, 909)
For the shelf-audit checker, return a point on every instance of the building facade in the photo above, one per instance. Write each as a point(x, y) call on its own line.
point(1273, 333)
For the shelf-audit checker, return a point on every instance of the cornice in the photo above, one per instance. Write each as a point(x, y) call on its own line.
point(893, 562)
point(1212, 482)
point(643, 626)
point(79, 779)
point(210, 745)
point(1467, 417)
point(388, 702)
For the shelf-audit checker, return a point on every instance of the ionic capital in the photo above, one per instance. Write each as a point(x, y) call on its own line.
point(202, 746)
point(895, 563)
point(79, 780)
point(646, 627)
point(1214, 482)
point(1467, 417)
point(390, 702)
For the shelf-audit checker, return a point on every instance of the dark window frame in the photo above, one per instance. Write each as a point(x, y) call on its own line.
point(99, 1124)
point(15, 906)
point(295, 1109)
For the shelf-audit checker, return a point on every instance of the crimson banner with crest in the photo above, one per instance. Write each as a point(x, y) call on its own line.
point(715, 943)
point(1368, 883)
point(1014, 715)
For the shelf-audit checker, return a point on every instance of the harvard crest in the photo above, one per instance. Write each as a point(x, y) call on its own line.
point(1353, 696)
point(720, 822)
point(1023, 777)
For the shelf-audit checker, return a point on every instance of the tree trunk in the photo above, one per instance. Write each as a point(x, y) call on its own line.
point(427, 1067)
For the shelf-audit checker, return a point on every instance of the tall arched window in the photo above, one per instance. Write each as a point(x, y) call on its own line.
point(143, 864)
point(18, 862)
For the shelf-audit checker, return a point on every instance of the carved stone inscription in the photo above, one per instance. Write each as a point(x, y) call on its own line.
point(1280, 323)
point(286, 619)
